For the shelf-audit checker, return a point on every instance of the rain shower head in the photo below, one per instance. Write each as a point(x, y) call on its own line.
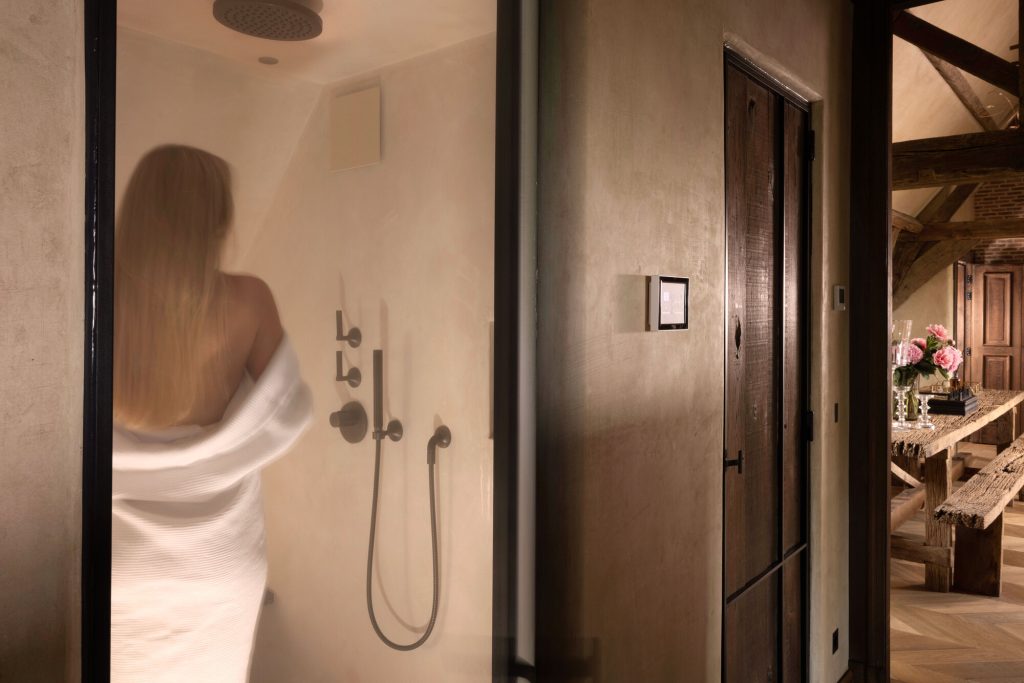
point(270, 19)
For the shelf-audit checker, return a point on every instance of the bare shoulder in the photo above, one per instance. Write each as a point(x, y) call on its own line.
point(253, 304)
point(249, 291)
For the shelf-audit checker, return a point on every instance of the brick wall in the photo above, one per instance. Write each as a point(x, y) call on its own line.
point(1000, 199)
point(999, 252)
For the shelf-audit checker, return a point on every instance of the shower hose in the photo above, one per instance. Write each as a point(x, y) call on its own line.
point(369, 559)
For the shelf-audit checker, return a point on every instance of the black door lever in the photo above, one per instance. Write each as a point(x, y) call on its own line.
point(736, 462)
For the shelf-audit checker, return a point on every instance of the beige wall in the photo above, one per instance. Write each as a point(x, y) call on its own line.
point(931, 303)
point(405, 249)
point(630, 422)
point(41, 298)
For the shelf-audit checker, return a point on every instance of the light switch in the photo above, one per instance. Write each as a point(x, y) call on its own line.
point(839, 298)
point(668, 305)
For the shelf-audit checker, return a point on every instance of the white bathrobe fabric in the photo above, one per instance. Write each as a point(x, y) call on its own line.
point(188, 562)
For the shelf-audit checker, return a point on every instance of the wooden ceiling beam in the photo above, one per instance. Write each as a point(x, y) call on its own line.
point(941, 208)
point(904, 221)
point(964, 92)
point(957, 159)
point(958, 52)
point(931, 258)
point(995, 229)
point(946, 202)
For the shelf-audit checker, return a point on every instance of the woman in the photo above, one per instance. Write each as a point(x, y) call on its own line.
point(207, 391)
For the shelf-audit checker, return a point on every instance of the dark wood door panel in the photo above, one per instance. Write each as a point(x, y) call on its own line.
point(996, 371)
point(752, 634)
point(766, 152)
point(995, 324)
point(751, 496)
point(793, 633)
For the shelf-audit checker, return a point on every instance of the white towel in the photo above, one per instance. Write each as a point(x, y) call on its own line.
point(188, 562)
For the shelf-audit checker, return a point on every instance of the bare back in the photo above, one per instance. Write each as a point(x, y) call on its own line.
point(253, 334)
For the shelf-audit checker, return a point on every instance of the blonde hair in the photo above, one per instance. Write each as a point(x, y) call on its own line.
point(168, 293)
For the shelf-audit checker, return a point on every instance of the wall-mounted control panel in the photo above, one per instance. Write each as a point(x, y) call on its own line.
point(668, 303)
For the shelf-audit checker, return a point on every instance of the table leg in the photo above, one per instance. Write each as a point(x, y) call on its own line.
point(938, 486)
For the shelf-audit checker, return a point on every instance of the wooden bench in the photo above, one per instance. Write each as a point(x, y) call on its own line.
point(976, 509)
point(902, 507)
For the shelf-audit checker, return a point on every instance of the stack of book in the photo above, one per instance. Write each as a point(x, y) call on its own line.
point(961, 402)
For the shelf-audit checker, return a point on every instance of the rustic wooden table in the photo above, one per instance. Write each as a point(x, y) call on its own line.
point(931, 447)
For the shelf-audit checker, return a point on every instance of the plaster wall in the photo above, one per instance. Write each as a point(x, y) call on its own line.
point(931, 303)
point(41, 297)
point(630, 422)
point(405, 249)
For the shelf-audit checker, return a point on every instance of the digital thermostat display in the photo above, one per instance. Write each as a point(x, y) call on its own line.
point(668, 302)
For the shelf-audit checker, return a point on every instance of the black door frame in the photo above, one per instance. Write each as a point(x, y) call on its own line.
point(733, 58)
point(512, 367)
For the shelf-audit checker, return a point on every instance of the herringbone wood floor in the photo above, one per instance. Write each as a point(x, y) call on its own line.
point(946, 637)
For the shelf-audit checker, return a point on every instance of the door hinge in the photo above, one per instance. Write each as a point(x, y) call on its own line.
point(970, 295)
point(809, 425)
point(811, 151)
point(967, 351)
point(969, 279)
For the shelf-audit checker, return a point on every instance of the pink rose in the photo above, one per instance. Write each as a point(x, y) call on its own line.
point(948, 358)
point(920, 343)
point(914, 354)
point(938, 331)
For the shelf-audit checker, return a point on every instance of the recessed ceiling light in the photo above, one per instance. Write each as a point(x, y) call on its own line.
point(268, 60)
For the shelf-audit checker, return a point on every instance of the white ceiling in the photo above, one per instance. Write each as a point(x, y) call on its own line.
point(358, 35)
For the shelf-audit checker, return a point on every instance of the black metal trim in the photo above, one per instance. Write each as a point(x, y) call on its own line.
point(506, 339)
point(100, 26)
point(772, 568)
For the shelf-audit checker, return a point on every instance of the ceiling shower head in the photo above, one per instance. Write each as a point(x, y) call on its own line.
point(270, 19)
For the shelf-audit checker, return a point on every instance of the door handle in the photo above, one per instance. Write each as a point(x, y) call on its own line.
point(737, 335)
point(736, 462)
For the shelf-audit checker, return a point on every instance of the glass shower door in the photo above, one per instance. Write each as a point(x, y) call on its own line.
point(358, 141)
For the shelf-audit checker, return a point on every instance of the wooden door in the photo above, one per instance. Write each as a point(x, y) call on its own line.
point(765, 558)
point(963, 275)
point(994, 334)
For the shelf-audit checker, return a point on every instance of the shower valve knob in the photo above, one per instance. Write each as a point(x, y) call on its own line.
point(353, 378)
point(353, 337)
